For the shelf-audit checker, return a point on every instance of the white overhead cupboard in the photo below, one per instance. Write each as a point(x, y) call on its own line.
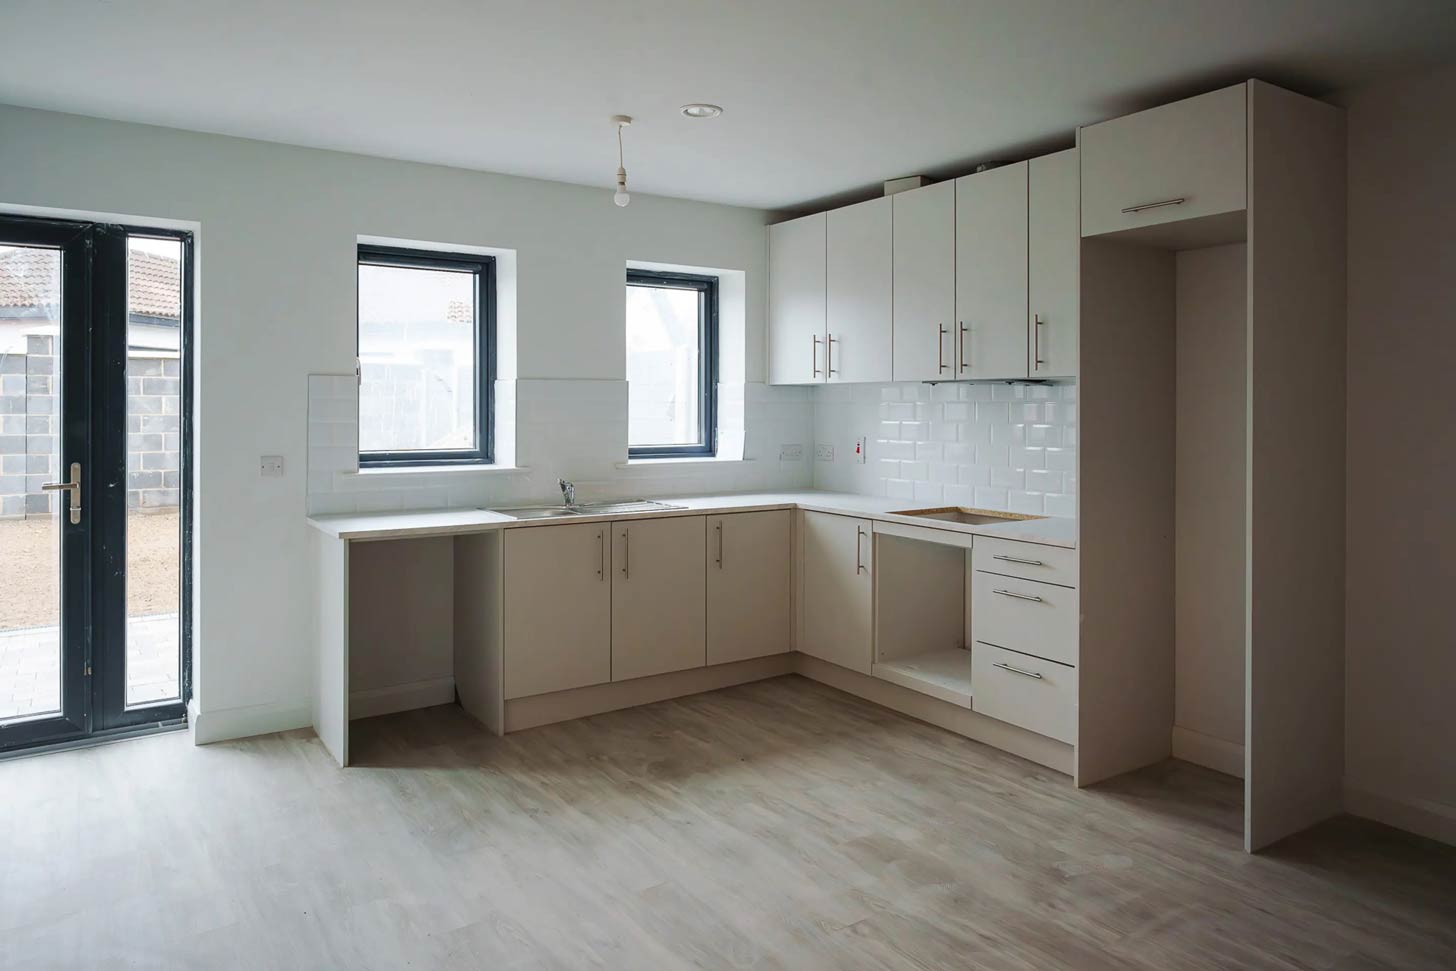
point(971, 279)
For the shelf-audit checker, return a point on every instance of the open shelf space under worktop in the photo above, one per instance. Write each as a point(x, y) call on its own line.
point(943, 674)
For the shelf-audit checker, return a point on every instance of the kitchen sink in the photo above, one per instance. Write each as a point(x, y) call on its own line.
point(612, 508)
point(968, 517)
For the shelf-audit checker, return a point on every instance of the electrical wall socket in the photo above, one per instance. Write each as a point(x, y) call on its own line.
point(824, 452)
point(270, 465)
point(791, 453)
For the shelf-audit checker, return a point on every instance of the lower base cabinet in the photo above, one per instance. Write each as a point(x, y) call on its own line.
point(558, 608)
point(749, 613)
point(658, 596)
point(1026, 691)
point(836, 619)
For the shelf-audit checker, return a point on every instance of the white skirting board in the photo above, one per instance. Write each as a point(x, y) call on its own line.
point(222, 724)
point(1208, 751)
point(1419, 816)
point(370, 702)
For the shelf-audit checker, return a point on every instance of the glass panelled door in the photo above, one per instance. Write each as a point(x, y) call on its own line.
point(93, 462)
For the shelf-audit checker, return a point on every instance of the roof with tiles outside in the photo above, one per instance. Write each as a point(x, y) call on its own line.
point(28, 277)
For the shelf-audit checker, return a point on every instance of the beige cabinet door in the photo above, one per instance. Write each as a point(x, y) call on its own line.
point(991, 273)
point(924, 283)
point(748, 585)
point(859, 275)
point(837, 623)
point(558, 608)
point(1174, 162)
point(796, 300)
point(659, 612)
point(1054, 245)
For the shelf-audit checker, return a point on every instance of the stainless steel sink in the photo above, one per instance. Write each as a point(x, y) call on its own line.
point(538, 512)
point(610, 508)
point(969, 517)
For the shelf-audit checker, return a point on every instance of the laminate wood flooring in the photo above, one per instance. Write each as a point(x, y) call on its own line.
point(777, 825)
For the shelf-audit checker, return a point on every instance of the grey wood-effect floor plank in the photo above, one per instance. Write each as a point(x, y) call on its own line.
point(777, 825)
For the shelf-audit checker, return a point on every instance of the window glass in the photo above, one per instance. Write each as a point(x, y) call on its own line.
point(668, 378)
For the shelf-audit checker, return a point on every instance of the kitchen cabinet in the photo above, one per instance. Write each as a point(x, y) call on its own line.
point(797, 294)
point(1053, 249)
point(1029, 692)
point(748, 563)
point(658, 596)
point(1176, 162)
point(858, 343)
point(990, 285)
point(558, 608)
point(837, 610)
point(924, 283)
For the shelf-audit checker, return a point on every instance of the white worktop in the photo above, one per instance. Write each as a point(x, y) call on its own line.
point(1050, 531)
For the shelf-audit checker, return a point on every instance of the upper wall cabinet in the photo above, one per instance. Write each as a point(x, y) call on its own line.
point(1182, 161)
point(858, 343)
point(1053, 251)
point(990, 258)
point(924, 283)
point(797, 300)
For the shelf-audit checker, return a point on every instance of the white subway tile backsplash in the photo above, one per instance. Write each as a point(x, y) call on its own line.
point(986, 445)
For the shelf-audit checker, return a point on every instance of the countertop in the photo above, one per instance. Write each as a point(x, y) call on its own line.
point(1050, 531)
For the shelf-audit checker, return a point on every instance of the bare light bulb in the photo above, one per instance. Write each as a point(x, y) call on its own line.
point(621, 197)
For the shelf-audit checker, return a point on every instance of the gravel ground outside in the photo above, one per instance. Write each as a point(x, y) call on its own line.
point(29, 595)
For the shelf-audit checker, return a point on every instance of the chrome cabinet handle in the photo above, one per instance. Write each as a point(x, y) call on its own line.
point(1155, 205)
point(1036, 358)
point(602, 555)
point(1015, 670)
point(1019, 596)
point(961, 353)
point(940, 364)
point(72, 490)
point(1016, 559)
point(814, 355)
point(719, 528)
point(858, 556)
point(829, 355)
point(626, 553)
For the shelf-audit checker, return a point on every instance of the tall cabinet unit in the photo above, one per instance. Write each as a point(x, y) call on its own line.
point(990, 259)
point(797, 300)
point(1213, 232)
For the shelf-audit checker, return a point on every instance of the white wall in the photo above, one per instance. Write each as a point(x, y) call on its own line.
point(276, 230)
point(982, 444)
point(1400, 763)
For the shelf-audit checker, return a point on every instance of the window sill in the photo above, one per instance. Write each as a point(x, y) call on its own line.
point(439, 470)
point(679, 460)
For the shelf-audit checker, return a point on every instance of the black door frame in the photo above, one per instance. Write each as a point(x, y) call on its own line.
point(93, 340)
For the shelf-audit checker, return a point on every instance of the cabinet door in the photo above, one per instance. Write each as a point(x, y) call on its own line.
point(1054, 246)
point(1175, 162)
point(859, 269)
point(991, 273)
point(796, 300)
point(658, 598)
point(748, 585)
point(838, 587)
point(924, 283)
point(558, 608)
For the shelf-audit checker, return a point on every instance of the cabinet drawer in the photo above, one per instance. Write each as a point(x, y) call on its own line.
point(1049, 564)
point(1039, 696)
point(1193, 150)
point(1020, 615)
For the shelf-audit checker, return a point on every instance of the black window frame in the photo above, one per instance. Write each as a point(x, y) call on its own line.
point(483, 269)
point(707, 288)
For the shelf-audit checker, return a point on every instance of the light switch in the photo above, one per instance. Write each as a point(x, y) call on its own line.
point(270, 465)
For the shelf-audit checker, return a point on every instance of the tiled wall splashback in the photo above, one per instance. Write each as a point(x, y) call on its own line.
point(994, 446)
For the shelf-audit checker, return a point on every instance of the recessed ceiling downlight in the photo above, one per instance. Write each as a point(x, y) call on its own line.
point(698, 110)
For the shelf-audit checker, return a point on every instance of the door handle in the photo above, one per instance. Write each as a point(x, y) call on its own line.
point(719, 528)
point(602, 555)
point(626, 553)
point(1019, 596)
point(73, 490)
point(858, 556)
point(961, 353)
point(940, 349)
point(829, 355)
point(814, 356)
point(1015, 670)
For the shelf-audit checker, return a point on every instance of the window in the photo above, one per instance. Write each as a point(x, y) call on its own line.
point(672, 367)
point(426, 357)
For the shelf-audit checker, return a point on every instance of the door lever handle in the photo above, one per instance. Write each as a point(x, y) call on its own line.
point(73, 490)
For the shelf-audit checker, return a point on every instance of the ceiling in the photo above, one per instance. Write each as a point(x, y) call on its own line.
point(824, 99)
